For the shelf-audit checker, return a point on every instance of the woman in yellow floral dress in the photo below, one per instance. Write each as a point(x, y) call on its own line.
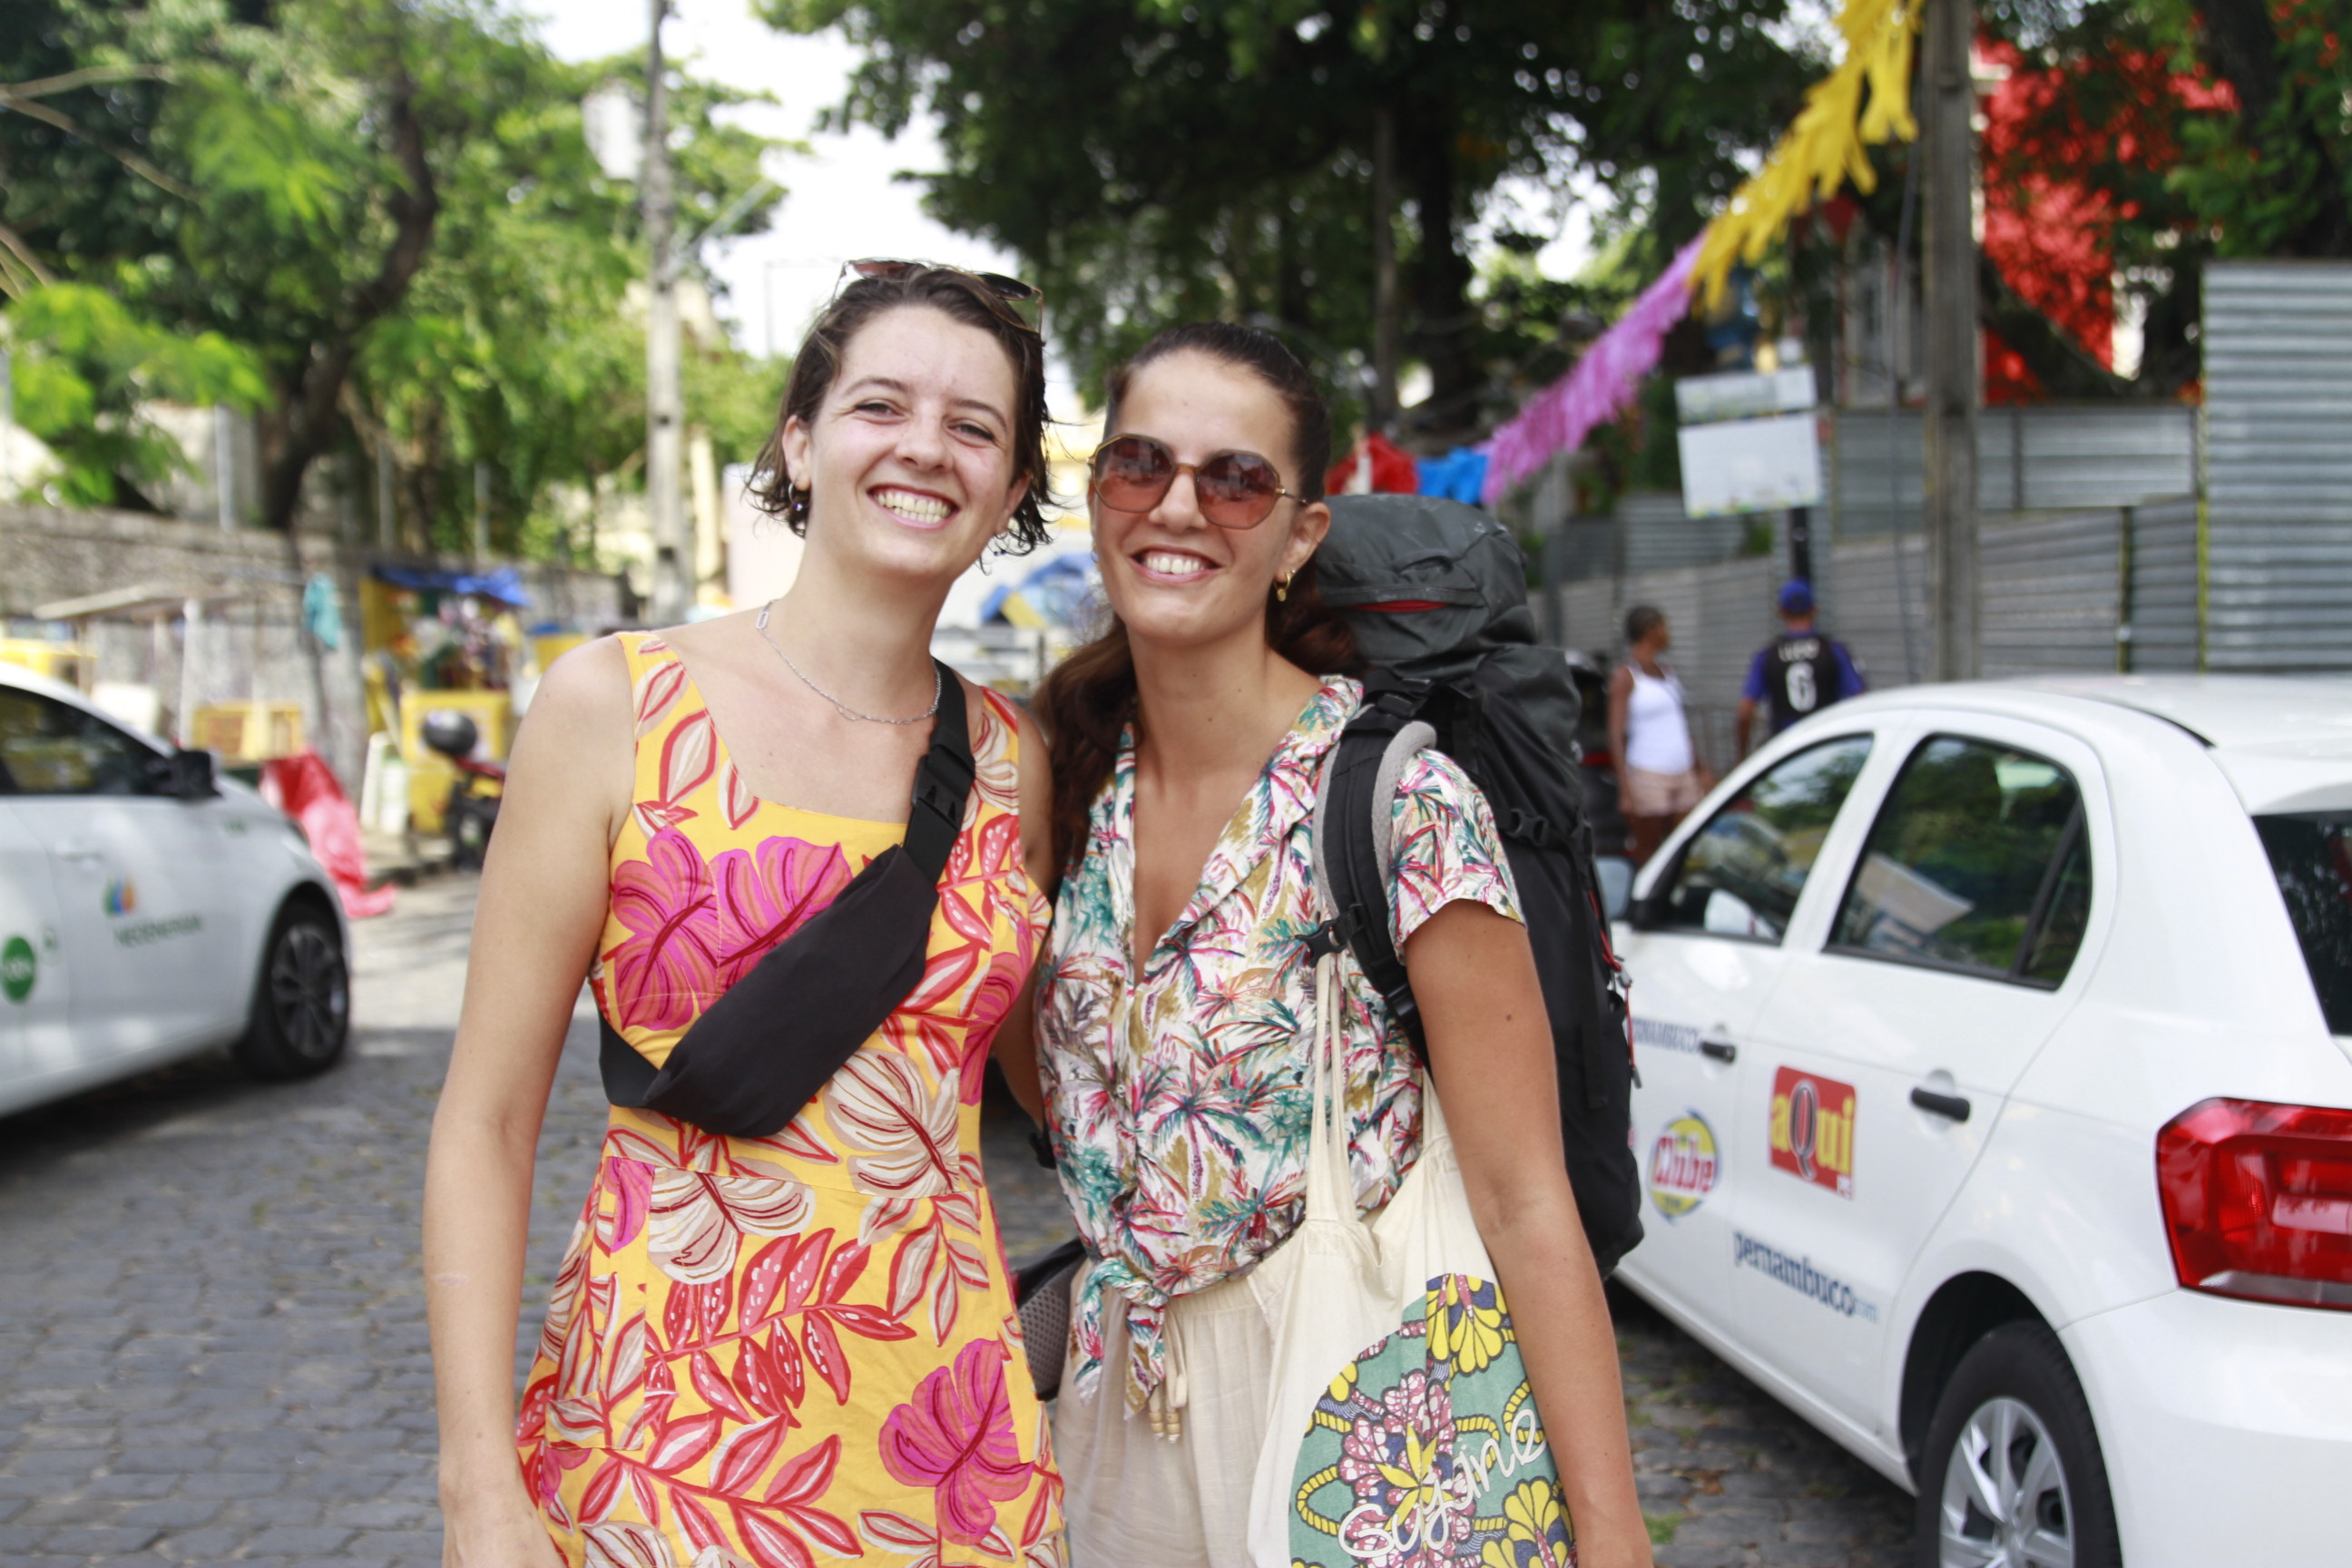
point(764, 1350)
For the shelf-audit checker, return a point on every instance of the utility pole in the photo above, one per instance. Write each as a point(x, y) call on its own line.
point(7, 425)
point(1953, 359)
point(223, 470)
point(1383, 410)
point(481, 511)
point(673, 591)
point(387, 517)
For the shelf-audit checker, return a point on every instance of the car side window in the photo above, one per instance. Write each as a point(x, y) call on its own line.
point(53, 748)
point(1741, 875)
point(1977, 862)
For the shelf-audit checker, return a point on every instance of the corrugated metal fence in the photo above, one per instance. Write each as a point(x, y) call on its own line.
point(2277, 341)
point(2029, 460)
point(2094, 552)
point(2058, 588)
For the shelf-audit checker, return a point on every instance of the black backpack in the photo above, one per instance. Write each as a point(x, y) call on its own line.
point(1437, 594)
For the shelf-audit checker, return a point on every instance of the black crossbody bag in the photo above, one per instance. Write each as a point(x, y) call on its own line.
point(757, 1055)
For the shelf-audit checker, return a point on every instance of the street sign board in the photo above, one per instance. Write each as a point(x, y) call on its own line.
point(1743, 394)
point(1751, 465)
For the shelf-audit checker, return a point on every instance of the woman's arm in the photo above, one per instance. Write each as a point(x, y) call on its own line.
point(1490, 1054)
point(1016, 1038)
point(535, 928)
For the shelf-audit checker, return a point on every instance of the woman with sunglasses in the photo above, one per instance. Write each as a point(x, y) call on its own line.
point(1172, 1023)
point(772, 1346)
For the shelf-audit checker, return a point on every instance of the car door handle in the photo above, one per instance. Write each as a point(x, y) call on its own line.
point(74, 849)
point(1952, 1105)
point(1721, 1050)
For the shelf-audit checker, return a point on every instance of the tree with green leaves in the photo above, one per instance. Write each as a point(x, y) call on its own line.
point(1152, 160)
point(388, 210)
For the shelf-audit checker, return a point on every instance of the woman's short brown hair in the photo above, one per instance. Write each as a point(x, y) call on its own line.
point(961, 296)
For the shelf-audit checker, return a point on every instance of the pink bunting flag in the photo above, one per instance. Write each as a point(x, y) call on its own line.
point(1599, 387)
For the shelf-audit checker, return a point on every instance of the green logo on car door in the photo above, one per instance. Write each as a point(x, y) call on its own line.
point(17, 968)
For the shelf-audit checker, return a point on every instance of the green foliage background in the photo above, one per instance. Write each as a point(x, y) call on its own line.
point(213, 214)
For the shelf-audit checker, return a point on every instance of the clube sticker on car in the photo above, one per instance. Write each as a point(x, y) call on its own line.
point(18, 969)
point(1684, 1164)
point(1812, 1129)
point(1800, 1275)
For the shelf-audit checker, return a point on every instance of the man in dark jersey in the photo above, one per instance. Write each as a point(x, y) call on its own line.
point(1798, 673)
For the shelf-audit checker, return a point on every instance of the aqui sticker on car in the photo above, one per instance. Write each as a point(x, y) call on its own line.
point(1812, 1129)
point(1684, 1164)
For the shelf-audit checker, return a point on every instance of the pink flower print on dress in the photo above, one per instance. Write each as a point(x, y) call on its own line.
point(956, 1436)
point(764, 894)
point(667, 970)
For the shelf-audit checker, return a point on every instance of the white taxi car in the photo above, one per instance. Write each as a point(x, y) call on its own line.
point(1996, 1106)
point(148, 911)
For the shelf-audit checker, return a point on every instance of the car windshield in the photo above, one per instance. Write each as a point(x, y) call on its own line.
point(2311, 855)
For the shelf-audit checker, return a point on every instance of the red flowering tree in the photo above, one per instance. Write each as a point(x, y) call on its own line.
point(2140, 139)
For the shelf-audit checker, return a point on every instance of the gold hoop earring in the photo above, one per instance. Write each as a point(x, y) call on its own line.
point(1282, 591)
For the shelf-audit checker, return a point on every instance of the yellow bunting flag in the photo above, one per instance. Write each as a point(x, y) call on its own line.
point(1865, 101)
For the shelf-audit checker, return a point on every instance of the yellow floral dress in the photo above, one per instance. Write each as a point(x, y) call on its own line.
point(771, 1351)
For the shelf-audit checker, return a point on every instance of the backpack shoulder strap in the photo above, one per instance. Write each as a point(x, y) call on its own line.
point(1352, 808)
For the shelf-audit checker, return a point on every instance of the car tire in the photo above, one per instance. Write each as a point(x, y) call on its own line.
point(2011, 1476)
point(470, 826)
point(302, 999)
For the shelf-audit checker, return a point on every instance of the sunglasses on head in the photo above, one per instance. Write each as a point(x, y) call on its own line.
point(1233, 490)
point(1011, 291)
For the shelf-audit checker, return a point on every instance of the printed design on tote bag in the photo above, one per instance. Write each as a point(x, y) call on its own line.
point(1426, 1449)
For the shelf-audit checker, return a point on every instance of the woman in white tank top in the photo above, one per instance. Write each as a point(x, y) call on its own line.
point(1659, 775)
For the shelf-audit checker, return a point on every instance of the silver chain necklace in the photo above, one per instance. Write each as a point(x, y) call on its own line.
point(844, 709)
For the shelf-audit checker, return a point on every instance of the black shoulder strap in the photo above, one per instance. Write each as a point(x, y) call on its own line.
point(879, 926)
point(942, 782)
point(1351, 819)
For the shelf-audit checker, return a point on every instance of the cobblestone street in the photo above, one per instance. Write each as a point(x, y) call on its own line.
point(213, 1348)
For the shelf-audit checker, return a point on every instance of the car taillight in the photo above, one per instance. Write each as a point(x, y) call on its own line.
point(2258, 1200)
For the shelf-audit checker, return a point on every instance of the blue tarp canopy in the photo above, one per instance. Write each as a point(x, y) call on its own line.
point(505, 585)
point(1052, 593)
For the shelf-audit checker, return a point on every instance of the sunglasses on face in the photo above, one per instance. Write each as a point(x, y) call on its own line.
point(1235, 490)
point(1009, 291)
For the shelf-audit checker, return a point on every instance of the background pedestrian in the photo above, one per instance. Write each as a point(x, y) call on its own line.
point(1659, 775)
point(1800, 671)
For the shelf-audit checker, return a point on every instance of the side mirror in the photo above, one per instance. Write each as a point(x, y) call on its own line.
point(1616, 874)
point(1728, 914)
point(192, 776)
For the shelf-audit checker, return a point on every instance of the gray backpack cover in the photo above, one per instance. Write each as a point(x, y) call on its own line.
point(1388, 551)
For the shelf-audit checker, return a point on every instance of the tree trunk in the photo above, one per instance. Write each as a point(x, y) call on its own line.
point(2057, 361)
point(1383, 410)
point(305, 425)
point(1441, 284)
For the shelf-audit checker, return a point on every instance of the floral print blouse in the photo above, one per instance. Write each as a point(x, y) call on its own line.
point(1179, 1097)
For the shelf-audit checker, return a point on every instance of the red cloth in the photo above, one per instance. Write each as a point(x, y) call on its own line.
point(1392, 469)
point(305, 788)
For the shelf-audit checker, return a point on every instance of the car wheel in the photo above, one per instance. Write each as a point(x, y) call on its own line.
point(302, 1003)
point(2013, 1476)
point(469, 834)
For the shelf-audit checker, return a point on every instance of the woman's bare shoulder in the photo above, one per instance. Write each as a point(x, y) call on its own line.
point(587, 688)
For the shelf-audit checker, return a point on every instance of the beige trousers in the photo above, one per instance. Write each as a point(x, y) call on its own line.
point(1137, 1501)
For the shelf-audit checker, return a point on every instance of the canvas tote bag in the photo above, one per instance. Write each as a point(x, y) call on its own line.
point(1401, 1428)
